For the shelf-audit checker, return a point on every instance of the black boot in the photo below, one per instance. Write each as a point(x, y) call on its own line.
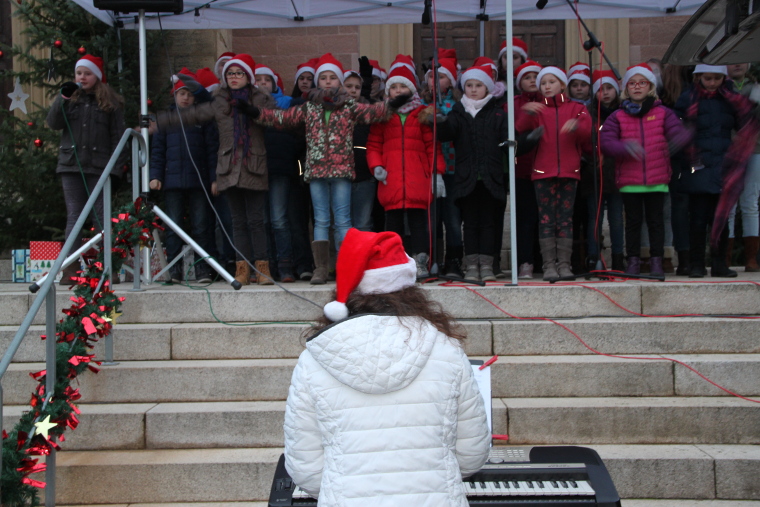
point(683, 263)
point(719, 266)
point(618, 262)
point(453, 264)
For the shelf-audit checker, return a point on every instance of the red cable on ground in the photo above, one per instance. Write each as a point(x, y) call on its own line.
point(586, 345)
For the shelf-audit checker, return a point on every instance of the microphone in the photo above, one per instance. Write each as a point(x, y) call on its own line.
point(426, 12)
point(541, 4)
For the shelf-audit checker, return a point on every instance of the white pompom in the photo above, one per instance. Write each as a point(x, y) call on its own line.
point(336, 311)
point(174, 79)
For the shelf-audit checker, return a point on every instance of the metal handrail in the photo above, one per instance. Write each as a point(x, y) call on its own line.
point(47, 289)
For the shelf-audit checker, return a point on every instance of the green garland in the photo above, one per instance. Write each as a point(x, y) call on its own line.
point(89, 319)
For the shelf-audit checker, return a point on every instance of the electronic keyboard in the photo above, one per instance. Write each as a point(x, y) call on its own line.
point(560, 476)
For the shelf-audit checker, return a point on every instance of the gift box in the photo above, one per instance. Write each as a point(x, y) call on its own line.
point(22, 266)
point(42, 256)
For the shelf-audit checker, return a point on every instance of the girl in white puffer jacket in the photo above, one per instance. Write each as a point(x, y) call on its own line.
point(383, 409)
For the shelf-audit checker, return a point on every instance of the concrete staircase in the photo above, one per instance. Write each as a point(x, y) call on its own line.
point(193, 412)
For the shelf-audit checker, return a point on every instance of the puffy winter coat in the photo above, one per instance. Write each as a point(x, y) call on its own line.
point(714, 124)
point(558, 155)
point(478, 155)
point(405, 150)
point(524, 163)
point(652, 129)
point(384, 413)
point(95, 133)
point(172, 164)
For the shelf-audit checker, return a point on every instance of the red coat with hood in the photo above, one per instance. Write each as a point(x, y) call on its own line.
point(406, 152)
point(558, 155)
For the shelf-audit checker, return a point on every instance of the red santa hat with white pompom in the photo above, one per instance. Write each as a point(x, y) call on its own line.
point(371, 263)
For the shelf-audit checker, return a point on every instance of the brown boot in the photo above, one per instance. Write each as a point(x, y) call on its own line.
point(667, 265)
point(751, 246)
point(729, 251)
point(263, 276)
point(321, 252)
point(243, 273)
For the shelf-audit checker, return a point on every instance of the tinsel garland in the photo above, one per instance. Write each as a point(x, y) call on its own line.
point(89, 318)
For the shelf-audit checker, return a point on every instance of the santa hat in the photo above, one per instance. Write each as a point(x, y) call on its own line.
point(223, 58)
point(529, 66)
point(578, 66)
point(714, 69)
point(95, 64)
point(447, 67)
point(370, 263)
point(207, 79)
point(352, 73)
point(180, 84)
point(278, 81)
point(605, 76)
point(447, 53)
point(518, 46)
point(554, 71)
point(643, 69)
point(580, 75)
point(484, 60)
point(327, 62)
point(404, 60)
point(263, 70)
point(482, 74)
point(243, 61)
point(376, 70)
point(310, 66)
point(402, 74)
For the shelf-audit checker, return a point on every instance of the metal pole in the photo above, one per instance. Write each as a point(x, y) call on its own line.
point(107, 261)
point(482, 38)
point(68, 261)
point(145, 123)
point(50, 376)
point(135, 194)
point(511, 127)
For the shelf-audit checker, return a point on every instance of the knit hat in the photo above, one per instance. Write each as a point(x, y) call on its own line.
point(223, 58)
point(482, 74)
point(309, 66)
point(715, 69)
point(370, 263)
point(263, 70)
point(529, 66)
point(180, 84)
point(328, 62)
point(243, 61)
point(643, 69)
point(402, 74)
point(95, 64)
point(448, 68)
point(578, 66)
point(518, 46)
point(207, 79)
point(580, 75)
point(554, 71)
point(605, 76)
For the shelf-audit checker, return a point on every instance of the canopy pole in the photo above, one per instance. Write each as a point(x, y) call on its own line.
point(511, 155)
point(145, 124)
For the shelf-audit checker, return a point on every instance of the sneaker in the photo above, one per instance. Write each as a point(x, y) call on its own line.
point(526, 271)
point(176, 275)
point(453, 268)
point(422, 265)
point(305, 275)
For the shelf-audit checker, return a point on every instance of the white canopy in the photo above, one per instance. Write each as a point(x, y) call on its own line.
point(222, 14)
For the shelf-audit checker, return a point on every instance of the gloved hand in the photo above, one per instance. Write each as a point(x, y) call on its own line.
point(68, 88)
point(381, 174)
point(634, 149)
point(440, 117)
point(399, 101)
point(365, 68)
point(535, 134)
point(440, 186)
point(188, 81)
point(247, 109)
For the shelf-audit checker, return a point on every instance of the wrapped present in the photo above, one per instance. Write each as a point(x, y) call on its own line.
point(22, 266)
point(42, 256)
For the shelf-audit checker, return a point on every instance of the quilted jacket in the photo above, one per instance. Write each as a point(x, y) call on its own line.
point(384, 412)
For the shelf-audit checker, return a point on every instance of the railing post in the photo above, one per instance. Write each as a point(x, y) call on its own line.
point(107, 262)
point(50, 375)
point(136, 258)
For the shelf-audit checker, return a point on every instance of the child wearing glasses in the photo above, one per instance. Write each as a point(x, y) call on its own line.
point(640, 135)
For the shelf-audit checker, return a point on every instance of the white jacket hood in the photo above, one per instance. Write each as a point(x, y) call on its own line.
point(386, 355)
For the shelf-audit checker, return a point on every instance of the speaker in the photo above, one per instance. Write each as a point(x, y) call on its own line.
point(125, 6)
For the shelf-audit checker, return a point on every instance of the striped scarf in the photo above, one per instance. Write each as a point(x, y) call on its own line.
point(737, 156)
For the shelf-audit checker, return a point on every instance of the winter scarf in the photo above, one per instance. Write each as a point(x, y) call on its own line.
point(240, 125)
point(474, 106)
point(638, 110)
point(414, 102)
point(735, 161)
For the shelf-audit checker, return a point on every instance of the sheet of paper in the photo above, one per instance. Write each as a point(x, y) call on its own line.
point(483, 378)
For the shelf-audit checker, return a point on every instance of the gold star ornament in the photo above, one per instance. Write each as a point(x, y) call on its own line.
point(43, 427)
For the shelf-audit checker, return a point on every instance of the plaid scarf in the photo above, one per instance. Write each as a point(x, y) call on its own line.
point(735, 161)
point(414, 102)
point(240, 125)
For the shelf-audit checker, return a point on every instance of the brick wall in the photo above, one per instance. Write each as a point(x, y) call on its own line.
point(284, 48)
point(651, 37)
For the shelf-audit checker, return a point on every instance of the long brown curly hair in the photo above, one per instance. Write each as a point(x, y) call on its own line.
point(107, 98)
point(409, 302)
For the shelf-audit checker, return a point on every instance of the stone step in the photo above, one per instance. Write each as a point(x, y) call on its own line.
point(511, 377)
point(624, 503)
point(690, 472)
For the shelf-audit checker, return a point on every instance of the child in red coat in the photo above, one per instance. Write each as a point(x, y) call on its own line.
point(556, 168)
point(401, 153)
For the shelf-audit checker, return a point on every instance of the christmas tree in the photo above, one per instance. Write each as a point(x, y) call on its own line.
point(31, 199)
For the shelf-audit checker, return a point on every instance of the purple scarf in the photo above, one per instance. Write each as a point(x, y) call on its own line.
point(735, 161)
point(240, 125)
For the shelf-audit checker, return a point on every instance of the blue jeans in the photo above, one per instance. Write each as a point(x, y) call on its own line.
point(748, 201)
point(331, 194)
point(279, 195)
point(614, 202)
point(362, 202)
point(199, 214)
